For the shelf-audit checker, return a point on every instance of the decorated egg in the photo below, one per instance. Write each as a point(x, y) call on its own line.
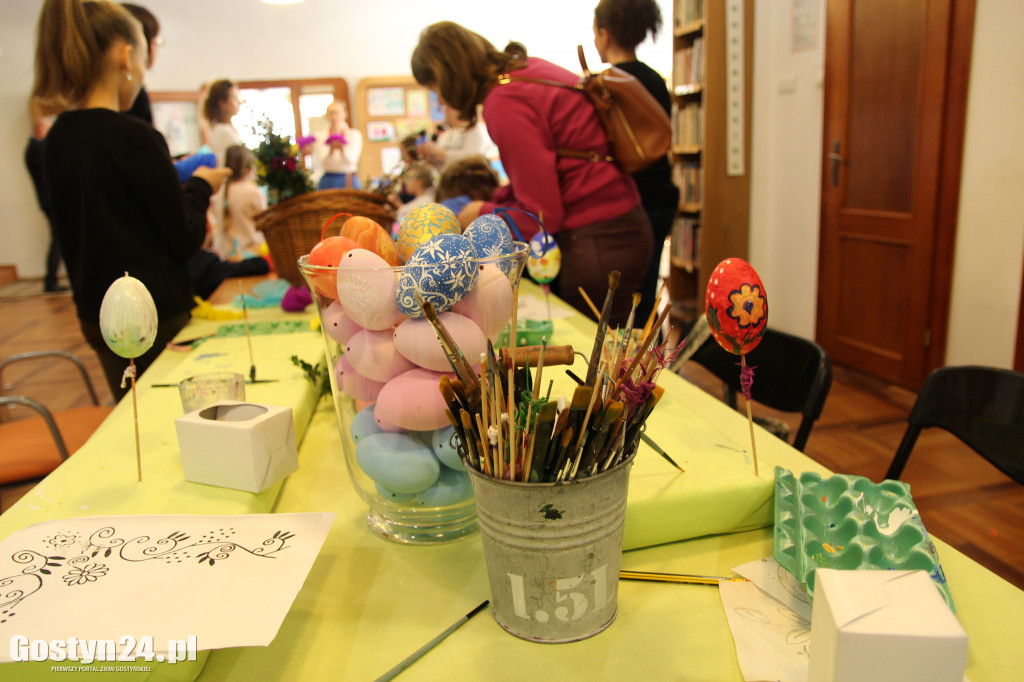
point(373, 354)
point(450, 488)
point(328, 254)
point(442, 271)
point(421, 224)
point(736, 306)
point(442, 443)
point(366, 288)
point(338, 324)
point(368, 233)
point(491, 238)
point(545, 259)
point(398, 462)
point(412, 401)
point(363, 424)
point(353, 384)
point(489, 303)
point(392, 496)
point(417, 342)
point(128, 318)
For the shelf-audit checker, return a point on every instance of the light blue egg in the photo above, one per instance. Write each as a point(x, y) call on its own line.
point(441, 443)
point(392, 496)
point(398, 462)
point(451, 487)
point(442, 270)
point(363, 424)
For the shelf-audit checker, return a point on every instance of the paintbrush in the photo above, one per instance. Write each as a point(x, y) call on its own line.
point(460, 365)
point(550, 460)
point(602, 327)
point(590, 304)
point(678, 578)
point(642, 350)
point(600, 433)
point(542, 434)
point(654, 446)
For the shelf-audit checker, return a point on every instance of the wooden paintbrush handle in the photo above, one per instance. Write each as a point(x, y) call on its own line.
point(530, 356)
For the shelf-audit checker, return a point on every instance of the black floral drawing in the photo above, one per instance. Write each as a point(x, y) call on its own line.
point(105, 546)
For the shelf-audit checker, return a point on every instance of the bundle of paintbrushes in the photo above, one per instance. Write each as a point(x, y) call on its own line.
point(507, 429)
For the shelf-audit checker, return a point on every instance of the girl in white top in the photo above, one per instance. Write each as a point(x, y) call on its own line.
point(244, 201)
point(458, 141)
point(338, 150)
point(221, 104)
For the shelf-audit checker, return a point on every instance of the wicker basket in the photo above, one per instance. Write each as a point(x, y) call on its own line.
point(293, 226)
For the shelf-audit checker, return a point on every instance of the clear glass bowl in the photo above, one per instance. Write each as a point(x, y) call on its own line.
point(384, 381)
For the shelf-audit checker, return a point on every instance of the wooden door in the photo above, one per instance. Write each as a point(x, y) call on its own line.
point(893, 135)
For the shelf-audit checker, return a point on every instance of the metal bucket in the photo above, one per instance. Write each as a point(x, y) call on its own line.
point(552, 552)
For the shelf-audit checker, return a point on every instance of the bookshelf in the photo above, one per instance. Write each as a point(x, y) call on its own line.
point(711, 88)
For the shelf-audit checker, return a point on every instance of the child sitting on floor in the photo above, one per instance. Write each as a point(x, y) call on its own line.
point(471, 178)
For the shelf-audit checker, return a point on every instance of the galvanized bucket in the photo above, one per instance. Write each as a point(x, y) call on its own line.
point(552, 552)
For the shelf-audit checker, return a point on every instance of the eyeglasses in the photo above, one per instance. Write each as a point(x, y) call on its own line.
point(158, 41)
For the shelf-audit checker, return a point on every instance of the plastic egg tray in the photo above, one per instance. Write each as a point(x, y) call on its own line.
point(848, 522)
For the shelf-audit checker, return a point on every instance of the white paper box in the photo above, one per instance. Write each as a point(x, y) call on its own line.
point(237, 445)
point(881, 626)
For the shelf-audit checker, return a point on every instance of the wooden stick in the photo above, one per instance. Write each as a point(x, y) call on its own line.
point(750, 416)
point(135, 410)
point(512, 341)
point(248, 336)
point(602, 326)
point(590, 304)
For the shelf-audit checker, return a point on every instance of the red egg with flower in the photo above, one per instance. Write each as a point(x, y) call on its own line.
point(736, 306)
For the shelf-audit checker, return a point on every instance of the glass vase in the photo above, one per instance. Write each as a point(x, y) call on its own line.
point(385, 366)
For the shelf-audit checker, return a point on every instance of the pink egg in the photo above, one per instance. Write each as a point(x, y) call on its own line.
point(416, 341)
point(372, 354)
point(366, 288)
point(412, 401)
point(338, 324)
point(384, 424)
point(489, 303)
point(353, 384)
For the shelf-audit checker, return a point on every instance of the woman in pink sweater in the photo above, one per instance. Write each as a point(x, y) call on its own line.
point(591, 207)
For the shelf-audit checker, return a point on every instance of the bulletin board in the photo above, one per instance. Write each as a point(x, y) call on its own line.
point(387, 109)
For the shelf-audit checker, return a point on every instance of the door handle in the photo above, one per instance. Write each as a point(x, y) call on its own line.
point(836, 159)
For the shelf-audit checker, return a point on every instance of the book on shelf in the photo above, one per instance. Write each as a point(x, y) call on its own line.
point(688, 64)
point(688, 11)
point(686, 176)
point(689, 130)
point(685, 246)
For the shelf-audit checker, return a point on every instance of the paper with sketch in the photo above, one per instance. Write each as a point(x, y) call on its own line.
point(779, 583)
point(772, 641)
point(227, 580)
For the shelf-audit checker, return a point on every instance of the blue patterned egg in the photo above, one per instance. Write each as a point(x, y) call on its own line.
point(451, 488)
point(398, 462)
point(442, 271)
point(490, 237)
point(422, 223)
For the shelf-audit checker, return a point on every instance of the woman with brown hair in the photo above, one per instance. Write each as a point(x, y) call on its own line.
point(220, 106)
point(117, 203)
point(591, 207)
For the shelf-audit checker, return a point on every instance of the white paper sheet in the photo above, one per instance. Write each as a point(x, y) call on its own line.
point(228, 580)
point(779, 583)
point(772, 641)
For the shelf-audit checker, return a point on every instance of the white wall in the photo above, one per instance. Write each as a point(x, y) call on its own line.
point(786, 170)
point(242, 39)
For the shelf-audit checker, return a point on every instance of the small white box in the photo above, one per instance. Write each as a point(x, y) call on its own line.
point(883, 626)
point(237, 445)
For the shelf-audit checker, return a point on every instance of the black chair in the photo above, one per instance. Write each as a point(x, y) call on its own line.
point(791, 374)
point(982, 406)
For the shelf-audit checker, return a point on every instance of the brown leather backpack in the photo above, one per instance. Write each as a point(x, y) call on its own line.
point(638, 129)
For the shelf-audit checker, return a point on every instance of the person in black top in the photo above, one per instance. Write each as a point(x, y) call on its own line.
point(619, 26)
point(151, 30)
point(116, 201)
point(34, 163)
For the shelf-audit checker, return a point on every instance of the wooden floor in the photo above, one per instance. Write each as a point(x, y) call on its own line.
point(962, 499)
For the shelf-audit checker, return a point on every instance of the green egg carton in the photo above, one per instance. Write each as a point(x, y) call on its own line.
point(848, 522)
point(528, 333)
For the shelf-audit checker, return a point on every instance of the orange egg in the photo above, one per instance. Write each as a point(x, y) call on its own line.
point(372, 237)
